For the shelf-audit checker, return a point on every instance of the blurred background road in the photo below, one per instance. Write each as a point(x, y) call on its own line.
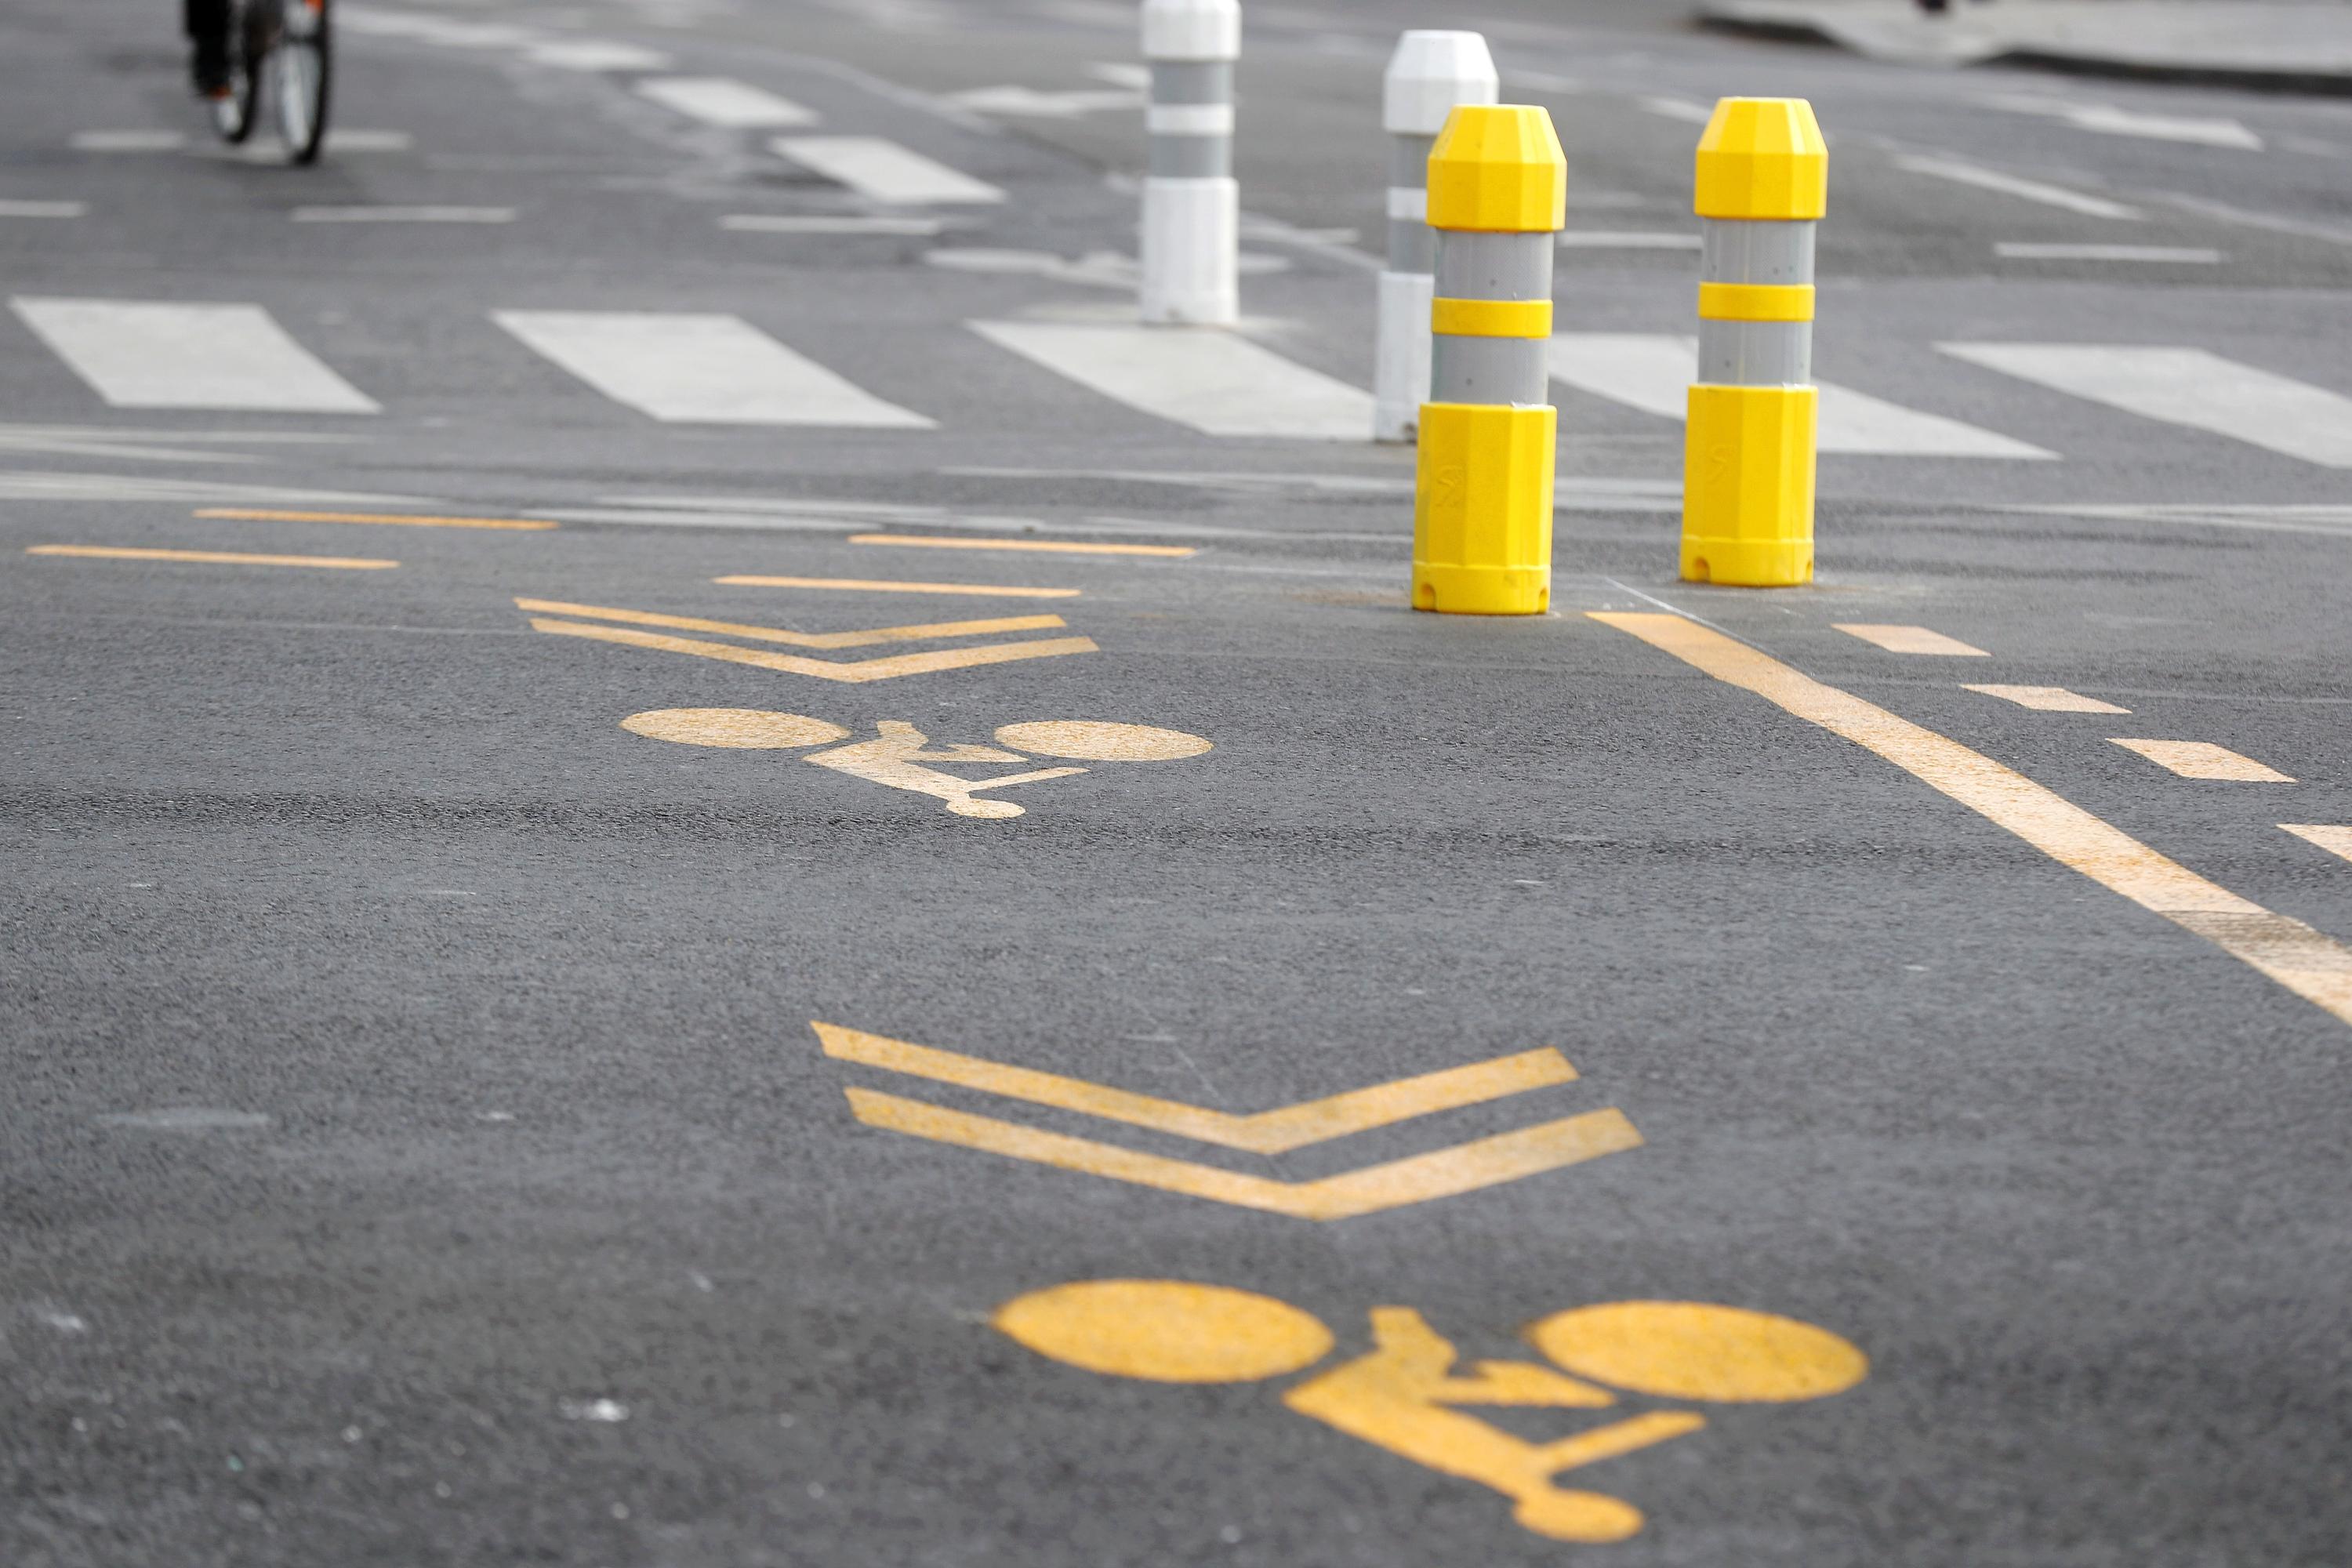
point(428, 574)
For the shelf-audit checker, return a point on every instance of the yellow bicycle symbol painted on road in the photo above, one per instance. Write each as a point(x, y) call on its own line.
point(1403, 1394)
point(900, 754)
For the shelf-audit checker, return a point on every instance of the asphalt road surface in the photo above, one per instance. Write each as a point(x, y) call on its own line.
point(482, 685)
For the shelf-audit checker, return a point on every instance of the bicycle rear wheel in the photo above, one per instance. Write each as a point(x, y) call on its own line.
point(302, 72)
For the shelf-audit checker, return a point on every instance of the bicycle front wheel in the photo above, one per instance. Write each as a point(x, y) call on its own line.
point(303, 68)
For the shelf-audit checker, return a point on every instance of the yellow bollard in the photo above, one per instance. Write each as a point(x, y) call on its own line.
point(1747, 458)
point(1482, 506)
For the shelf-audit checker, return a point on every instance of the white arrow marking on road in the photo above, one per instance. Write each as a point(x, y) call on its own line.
point(688, 368)
point(138, 354)
point(882, 171)
point(2185, 387)
point(1654, 373)
point(2011, 185)
point(1215, 383)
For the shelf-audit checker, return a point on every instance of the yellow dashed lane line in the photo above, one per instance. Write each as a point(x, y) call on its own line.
point(2311, 964)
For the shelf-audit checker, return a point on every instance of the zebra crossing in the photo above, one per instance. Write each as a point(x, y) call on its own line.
point(679, 367)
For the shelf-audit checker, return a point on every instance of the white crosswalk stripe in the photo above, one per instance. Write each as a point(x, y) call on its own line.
point(1654, 373)
point(2185, 387)
point(146, 354)
point(882, 171)
point(688, 368)
point(1215, 383)
point(721, 101)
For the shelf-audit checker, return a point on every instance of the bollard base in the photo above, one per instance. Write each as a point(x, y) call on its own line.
point(1747, 486)
point(1482, 509)
point(1191, 261)
point(1401, 355)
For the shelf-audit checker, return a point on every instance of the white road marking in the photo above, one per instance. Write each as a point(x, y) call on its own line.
point(701, 369)
point(1654, 373)
point(43, 209)
point(882, 171)
point(404, 215)
point(2319, 518)
point(1610, 240)
point(2185, 387)
point(354, 141)
point(139, 355)
point(2012, 185)
point(127, 141)
point(186, 1119)
point(1213, 381)
point(1682, 108)
point(2108, 119)
point(596, 55)
point(2185, 255)
point(1121, 73)
point(723, 101)
point(1028, 102)
point(768, 223)
point(30, 485)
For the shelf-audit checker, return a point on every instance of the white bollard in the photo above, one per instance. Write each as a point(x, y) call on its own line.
point(1428, 75)
point(1191, 207)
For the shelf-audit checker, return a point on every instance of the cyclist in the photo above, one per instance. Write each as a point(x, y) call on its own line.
point(206, 22)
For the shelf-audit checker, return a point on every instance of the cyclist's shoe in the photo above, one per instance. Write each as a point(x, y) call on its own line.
point(210, 67)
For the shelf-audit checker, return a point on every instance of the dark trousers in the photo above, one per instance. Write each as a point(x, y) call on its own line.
point(205, 18)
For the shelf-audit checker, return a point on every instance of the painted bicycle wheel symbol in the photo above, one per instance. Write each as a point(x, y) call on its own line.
point(1402, 1395)
point(898, 756)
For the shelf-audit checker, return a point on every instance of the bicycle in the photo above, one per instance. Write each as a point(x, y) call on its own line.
point(281, 50)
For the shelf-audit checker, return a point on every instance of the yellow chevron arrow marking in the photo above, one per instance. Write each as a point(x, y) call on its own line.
point(853, 672)
point(798, 639)
point(1267, 1132)
point(1486, 1163)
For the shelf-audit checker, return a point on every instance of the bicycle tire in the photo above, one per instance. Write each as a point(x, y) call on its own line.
point(302, 78)
point(234, 116)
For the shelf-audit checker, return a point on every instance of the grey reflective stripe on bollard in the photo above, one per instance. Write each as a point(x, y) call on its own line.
point(1491, 366)
point(1747, 348)
point(1191, 119)
point(1413, 243)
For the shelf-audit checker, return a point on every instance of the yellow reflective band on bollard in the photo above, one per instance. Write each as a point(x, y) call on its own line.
point(1763, 158)
point(1491, 318)
point(1498, 169)
point(1747, 486)
point(1482, 514)
point(1754, 302)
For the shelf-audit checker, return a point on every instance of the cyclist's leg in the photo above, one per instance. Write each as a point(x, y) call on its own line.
point(207, 23)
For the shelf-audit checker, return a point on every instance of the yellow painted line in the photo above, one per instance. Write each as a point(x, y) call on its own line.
point(800, 639)
point(2203, 760)
point(1053, 546)
point(2049, 698)
point(852, 672)
point(404, 519)
point(1267, 1132)
point(1447, 1173)
point(1913, 639)
point(2334, 840)
point(878, 585)
point(211, 557)
point(2315, 966)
